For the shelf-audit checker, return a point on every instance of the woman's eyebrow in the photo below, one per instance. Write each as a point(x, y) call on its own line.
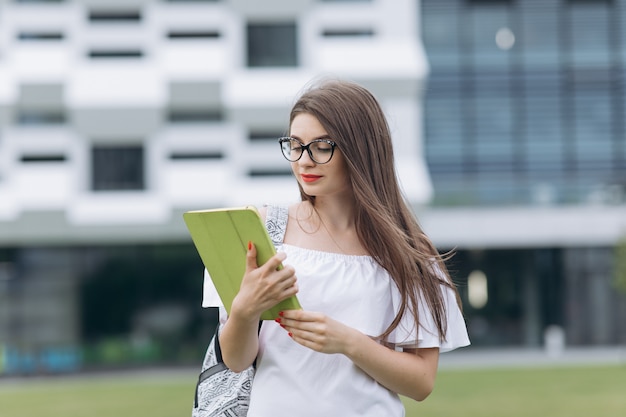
point(324, 136)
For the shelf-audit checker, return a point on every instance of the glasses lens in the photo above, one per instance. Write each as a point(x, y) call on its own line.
point(292, 150)
point(322, 151)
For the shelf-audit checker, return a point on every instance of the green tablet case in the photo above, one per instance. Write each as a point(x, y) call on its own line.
point(221, 237)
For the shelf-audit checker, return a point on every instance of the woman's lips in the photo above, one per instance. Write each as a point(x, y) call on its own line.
point(310, 177)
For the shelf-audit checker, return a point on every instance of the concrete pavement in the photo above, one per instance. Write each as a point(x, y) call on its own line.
point(461, 359)
point(476, 358)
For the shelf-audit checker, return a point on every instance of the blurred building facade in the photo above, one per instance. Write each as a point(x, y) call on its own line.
point(526, 147)
point(118, 116)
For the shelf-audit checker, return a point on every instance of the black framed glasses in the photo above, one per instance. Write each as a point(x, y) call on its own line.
point(320, 150)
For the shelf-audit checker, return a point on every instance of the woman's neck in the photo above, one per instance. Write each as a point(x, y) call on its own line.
point(337, 215)
point(327, 226)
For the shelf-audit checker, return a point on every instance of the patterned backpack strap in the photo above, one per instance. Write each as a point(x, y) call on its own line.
point(276, 223)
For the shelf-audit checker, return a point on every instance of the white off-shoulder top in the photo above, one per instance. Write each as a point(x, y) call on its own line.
point(292, 380)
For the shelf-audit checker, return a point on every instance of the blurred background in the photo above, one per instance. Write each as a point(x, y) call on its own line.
point(116, 116)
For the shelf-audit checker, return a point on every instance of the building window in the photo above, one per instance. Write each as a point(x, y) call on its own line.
point(589, 1)
point(489, 2)
point(117, 168)
point(348, 33)
point(196, 155)
point(269, 172)
point(115, 54)
point(114, 16)
point(41, 158)
point(193, 34)
point(195, 115)
point(540, 122)
point(272, 45)
point(40, 36)
point(40, 117)
point(40, 1)
point(265, 136)
point(261, 139)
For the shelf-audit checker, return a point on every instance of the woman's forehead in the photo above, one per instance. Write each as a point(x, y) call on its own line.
point(305, 125)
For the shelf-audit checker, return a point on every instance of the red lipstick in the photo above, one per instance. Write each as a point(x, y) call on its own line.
point(310, 177)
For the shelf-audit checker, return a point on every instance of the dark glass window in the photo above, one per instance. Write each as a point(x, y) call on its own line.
point(272, 45)
point(35, 158)
point(588, 34)
point(115, 54)
point(266, 136)
point(194, 115)
point(270, 172)
point(348, 33)
point(490, 2)
point(198, 155)
point(39, 1)
point(40, 36)
point(539, 36)
point(525, 100)
point(193, 34)
point(114, 16)
point(117, 168)
point(271, 137)
point(590, 1)
point(40, 117)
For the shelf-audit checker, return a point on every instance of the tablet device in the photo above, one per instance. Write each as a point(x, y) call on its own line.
point(221, 238)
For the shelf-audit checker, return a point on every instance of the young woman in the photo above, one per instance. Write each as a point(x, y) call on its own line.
point(378, 304)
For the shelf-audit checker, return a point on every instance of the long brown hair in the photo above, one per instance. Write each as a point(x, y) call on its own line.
point(385, 224)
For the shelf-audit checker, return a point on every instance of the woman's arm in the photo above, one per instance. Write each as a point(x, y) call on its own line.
point(410, 373)
point(261, 288)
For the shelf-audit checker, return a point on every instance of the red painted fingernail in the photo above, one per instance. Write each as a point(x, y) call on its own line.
point(249, 245)
point(281, 314)
point(290, 335)
point(282, 325)
point(277, 320)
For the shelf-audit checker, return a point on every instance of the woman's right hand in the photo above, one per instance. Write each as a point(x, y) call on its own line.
point(263, 286)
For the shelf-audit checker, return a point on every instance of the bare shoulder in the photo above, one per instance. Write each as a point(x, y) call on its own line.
point(295, 208)
point(293, 230)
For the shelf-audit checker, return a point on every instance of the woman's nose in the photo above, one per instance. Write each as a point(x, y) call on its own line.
point(306, 159)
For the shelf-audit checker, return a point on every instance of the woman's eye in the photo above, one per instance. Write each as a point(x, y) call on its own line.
point(322, 147)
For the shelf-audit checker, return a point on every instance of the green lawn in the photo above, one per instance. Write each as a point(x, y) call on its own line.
point(555, 392)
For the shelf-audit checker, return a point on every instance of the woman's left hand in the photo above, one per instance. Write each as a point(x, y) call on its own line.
point(410, 372)
point(316, 331)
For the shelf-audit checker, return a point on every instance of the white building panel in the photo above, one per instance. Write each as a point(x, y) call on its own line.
point(523, 227)
point(116, 85)
point(175, 88)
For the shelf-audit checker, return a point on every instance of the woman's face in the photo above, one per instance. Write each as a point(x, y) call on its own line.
point(318, 180)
